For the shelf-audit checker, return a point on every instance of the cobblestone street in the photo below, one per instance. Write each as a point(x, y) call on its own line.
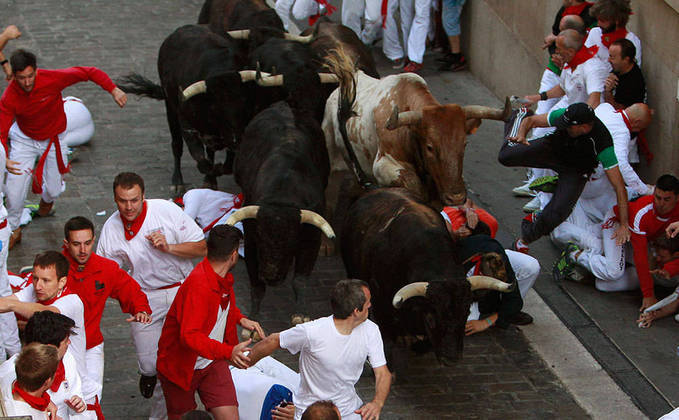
point(500, 376)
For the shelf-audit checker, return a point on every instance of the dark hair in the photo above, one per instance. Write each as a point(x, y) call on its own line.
point(52, 259)
point(47, 327)
point(77, 223)
point(20, 59)
point(197, 415)
point(127, 181)
point(627, 48)
point(670, 244)
point(321, 410)
point(617, 11)
point(668, 182)
point(346, 296)
point(35, 364)
point(223, 240)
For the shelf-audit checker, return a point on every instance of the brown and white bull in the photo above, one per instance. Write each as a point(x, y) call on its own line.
point(402, 136)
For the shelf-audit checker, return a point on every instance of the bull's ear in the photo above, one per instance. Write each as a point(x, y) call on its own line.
point(471, 125)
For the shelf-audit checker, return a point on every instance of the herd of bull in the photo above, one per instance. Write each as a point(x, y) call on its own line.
point(237, 81)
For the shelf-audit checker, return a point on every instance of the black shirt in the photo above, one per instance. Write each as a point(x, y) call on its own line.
point(631, 87)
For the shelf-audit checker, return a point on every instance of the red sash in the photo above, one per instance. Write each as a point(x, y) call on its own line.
point(39, 403)
point(39, 169)
point(131, 229)
point(609, 38)
point(59, 377)
point(96, 407)
point(581, 56)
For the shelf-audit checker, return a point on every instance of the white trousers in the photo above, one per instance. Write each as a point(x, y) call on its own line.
point(79, 123)
point(580, 229)
point(370, 11)
point(9, 334)
point(282, 8)
point(391, 40)
point(414, 26)
point(548, 81)
point(94, 358)
point(146, 336)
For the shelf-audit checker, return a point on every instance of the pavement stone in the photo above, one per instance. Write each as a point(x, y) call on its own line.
point(500, 376)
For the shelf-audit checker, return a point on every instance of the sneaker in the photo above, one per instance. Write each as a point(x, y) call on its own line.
point(524, 191)
point(45, 209)
point(447, 58)
point(456, 65)
point(564, 267)
point(412, 67)
point(545, 184)
point(532, 206)
point(146, 385)
point(520, 318)
point(519, 246)
point(398, 63)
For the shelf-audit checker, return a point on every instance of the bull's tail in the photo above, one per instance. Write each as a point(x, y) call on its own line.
point(341, 64)
point(139, 85)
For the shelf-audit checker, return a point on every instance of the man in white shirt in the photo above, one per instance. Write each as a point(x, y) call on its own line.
point(612, 17)
point(333, 351)
point(154, 240)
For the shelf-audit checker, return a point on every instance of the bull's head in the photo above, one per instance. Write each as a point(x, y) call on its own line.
point(278, 236)
point(447, 310)
point(440, 132)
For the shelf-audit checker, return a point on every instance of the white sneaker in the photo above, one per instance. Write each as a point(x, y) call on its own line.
point(524, 191)
point(532, 206)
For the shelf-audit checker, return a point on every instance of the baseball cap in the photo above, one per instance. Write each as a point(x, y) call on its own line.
point(575, 114)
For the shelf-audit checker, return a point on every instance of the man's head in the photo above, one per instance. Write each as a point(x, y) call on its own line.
point(47, 327)
point(568, 42)
point(321, 410)
point(50, 270)
point(639, 115)
point(79, 238)
point(665, 194)
point(574, 22)
point(350, 298)
point(222, 244)
point(666, 249)
point(35, 366)
point(611, 14)
point(128, 193)
point(577, 120)
point(24, 66)
point(622, 55)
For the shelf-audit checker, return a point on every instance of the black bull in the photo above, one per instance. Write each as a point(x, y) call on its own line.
point(282, 168)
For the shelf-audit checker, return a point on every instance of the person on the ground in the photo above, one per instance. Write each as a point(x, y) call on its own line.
point(49, 292)
point(55, 329)
point(649, 217)
point(666, 254)
point(154, 240)
point(612, 17)
point(333, 351)
point(94, 279)
point(450, 18)
point(199, 337)
point(11, 32)
point(321, 410)
point(35, 368)
point(574, 150)
point(33, 99)
point(625, 85)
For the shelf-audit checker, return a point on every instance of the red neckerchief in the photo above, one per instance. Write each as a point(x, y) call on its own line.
point(624, 118)
point(581, 56)
point(59, 377)
point(59, 295)
point(329, 9)
point(609, 38)
point(225, 283)
point(84, 269)
point(131, 229)
point(39, 403)
point(476, 260)
point(575, 10)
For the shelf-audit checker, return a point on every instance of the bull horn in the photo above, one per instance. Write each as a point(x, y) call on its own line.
point(313, 218)
point(328, 78)
point(485, 282)
point(247, 212)
point(304, 39)
point(400, 119)
point(250, 75)
point(239, 34)
point(276, 80)
point(194, 89)
point(409, 290)
point(485, 112)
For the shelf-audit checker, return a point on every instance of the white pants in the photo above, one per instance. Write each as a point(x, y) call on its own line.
point(94, 358)
point(146, 336)
point(580, 229)
point(414, 26)
point(548, 81)
point(302, 9)
point(391, 41)
point(370, 11)
point(9, 334)
point(79, 123)
point(283, 11)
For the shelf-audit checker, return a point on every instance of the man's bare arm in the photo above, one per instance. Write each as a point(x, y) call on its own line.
point(622, 234)
point(184, 249)
point(528, 124)
point(373, 409)
point(265, 348)
point(25, 309)
point(594, 99)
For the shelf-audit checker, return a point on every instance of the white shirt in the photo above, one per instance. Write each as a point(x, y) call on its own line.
point(151, 268)
point(71, 306)
point(331, 363)
point(594, 38)
point(615, 124)
point(69, 387)
point(216, 334)
point(588, 77)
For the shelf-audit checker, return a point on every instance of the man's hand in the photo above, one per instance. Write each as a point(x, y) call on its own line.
point(51, 411)
point(13, 167)
point(549, 40)
point(141, 317)
point(76, 403)
point(646, 302)
point(119, 96)
point(621, 235)
point(672, 230)
point(370, 411)
point(249, 324)
point(238, 357)
point(472, 218)
point(158, 241)
point(646, 319)
point(11, 32)
point(475, 326)
point(661, 273)
point(283, 413)
point(611, 82)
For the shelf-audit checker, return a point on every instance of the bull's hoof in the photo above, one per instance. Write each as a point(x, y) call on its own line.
point(299, 319)
point(327, 248)
point(177, 190)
